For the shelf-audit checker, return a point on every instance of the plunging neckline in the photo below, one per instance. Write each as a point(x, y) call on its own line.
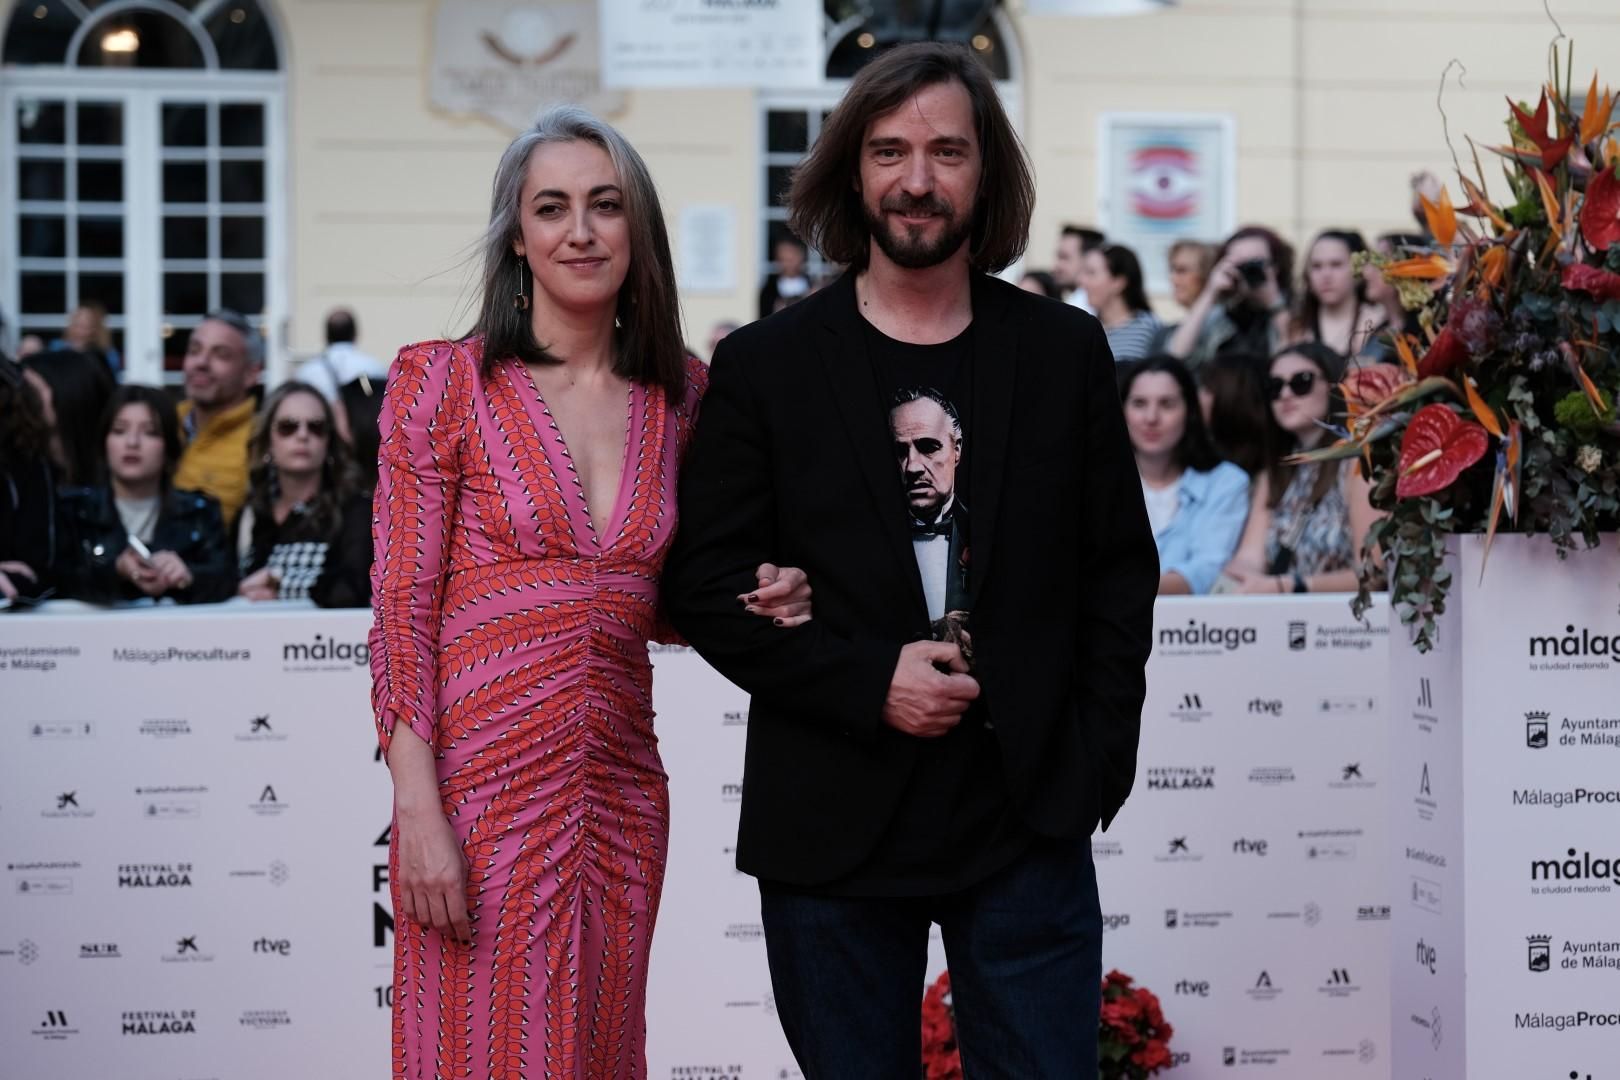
point(627, 462)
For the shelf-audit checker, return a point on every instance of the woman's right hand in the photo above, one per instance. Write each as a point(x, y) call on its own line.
point(140, 573)
point(260, 585)
point(1224, 279)
point(20, 571)
point(432, 872)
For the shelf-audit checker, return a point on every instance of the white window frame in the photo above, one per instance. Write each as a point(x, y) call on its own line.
point(141, 92)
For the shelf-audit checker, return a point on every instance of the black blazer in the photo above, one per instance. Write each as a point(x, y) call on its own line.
point(792, 464)
point(189, 524)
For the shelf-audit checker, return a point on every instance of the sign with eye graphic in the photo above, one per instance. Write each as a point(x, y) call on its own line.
point(1165, 177)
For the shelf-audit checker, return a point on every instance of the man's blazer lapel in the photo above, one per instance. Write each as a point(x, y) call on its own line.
point(995, 374)
point(854, 388)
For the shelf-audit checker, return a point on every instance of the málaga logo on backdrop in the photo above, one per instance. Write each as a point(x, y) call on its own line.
point(1202, 638)
point(1574, 649)
point(321, 653)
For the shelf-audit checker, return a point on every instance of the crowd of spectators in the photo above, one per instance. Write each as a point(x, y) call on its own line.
point(1220, 403)
point(114, 493)
point(119, 494)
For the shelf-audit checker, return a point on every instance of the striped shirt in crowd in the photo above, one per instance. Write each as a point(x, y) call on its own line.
point(1131, 340)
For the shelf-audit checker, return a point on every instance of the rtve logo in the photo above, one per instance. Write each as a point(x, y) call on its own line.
point(1192, 988)
point(1427, 956)
point(1249, 847)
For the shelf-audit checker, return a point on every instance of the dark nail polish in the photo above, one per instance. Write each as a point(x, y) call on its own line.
point(753, 598)
point(778, 622)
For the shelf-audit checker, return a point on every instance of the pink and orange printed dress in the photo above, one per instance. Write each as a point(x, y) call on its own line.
point(512, 637)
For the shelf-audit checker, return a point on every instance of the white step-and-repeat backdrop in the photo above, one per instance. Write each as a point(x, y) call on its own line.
point(1504, 863)
point(193, 829)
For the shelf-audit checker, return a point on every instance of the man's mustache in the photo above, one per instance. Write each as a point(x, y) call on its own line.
point(910, 204)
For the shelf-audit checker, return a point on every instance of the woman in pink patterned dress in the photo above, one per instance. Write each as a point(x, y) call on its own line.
point(525, 499)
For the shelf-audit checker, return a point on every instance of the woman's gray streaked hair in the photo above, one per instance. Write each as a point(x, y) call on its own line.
point(650, 348)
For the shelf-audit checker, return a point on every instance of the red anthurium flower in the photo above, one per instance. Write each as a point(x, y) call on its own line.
point(1437, 447)
point(1600, 283)
point(1446, 353)
point(1600, 213)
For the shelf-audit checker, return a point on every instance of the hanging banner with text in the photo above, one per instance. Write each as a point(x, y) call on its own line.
point(708, 43)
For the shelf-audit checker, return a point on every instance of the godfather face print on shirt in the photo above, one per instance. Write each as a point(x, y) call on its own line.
point(928, 445)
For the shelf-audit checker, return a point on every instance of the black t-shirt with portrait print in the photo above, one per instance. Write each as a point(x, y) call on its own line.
point(955, 824)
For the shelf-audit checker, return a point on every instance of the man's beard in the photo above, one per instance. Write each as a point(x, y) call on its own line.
point(916, 253)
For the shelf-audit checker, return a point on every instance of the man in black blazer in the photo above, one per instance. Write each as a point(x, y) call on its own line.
point(938, 743)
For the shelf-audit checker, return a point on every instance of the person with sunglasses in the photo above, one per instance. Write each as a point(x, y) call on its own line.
point(306, 530)
point(1307, 523)
point(138, 535)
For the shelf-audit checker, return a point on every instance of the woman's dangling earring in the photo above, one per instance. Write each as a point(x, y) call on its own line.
point(521, 302)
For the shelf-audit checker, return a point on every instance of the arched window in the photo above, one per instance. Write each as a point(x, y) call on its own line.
point(147, 136)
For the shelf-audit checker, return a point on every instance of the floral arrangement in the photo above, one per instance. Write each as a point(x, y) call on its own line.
point(1133, 1040)
point(1500, 415)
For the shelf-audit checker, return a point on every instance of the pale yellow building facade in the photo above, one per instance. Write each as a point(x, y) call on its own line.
point(373, 196)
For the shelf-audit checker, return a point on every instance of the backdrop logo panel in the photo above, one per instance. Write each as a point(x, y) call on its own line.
point(178, 892)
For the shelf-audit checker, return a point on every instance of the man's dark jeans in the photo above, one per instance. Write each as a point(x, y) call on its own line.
point(1025, 954)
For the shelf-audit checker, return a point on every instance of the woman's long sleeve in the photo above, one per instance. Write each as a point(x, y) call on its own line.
point(422, 424)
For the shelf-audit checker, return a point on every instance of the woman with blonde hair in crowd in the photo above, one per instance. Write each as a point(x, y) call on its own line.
point(525, 503)
point(87, 332)
point(1190, 264)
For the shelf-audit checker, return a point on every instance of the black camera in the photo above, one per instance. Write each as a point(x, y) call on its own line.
point(1253, 272)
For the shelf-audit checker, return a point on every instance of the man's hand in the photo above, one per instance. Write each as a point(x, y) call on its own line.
point(924, 701)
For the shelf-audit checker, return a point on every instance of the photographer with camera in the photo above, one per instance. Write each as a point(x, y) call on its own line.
point(1243, 307)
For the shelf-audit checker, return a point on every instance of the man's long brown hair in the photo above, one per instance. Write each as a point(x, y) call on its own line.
point(824, 203)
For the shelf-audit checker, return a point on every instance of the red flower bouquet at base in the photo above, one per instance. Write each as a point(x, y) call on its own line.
point(1133, 1040)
